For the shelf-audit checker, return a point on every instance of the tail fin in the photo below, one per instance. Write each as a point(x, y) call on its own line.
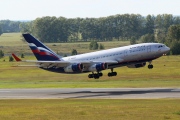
point(41, 51)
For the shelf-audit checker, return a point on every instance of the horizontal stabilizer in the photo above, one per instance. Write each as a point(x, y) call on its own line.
point(25, 66)
point(16, 58)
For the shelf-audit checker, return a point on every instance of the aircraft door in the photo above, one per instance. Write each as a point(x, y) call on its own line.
point(125, 53)
point(148, 49)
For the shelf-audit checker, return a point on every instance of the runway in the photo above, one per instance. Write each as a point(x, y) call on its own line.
point(90, 93)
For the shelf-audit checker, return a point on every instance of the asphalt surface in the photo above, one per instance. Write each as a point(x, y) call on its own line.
point(91, 93)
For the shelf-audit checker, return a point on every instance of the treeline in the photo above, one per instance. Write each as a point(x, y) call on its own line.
point(7, 26)
point(119, 27)
point(131, 27)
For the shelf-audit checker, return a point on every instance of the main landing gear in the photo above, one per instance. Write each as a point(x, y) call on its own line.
point(95, 75)
point(150, 66)
point(110, 74)
point(99, 74)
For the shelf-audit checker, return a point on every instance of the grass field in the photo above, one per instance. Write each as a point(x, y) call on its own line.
point(90, 109)
point(12, 42)
point(166, 73)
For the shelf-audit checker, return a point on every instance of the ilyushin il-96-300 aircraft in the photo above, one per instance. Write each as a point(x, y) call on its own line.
point(132, 56)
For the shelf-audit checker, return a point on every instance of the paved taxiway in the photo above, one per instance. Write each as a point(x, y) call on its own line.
point(85, 93)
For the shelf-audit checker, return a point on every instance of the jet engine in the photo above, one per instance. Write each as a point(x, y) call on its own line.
point(98, 67)
point(74, 68)
point(138, 65)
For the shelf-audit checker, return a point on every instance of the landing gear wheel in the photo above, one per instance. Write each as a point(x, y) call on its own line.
point(150, 66)
point(114, 73)
point(110, 74)
point(91, 76)
point(100, 74)
point(95, 75)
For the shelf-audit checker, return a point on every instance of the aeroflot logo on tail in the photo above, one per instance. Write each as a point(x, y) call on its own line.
point(40, 50)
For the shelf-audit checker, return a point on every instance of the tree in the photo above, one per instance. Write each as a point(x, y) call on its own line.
point(65, 55)
point(133, 40)
point(74, 52)
point(147, 38)
point(22, 55)
point(175, 48)
point(149, 27)
point(101, 46)
point(160, 35)
point(159, 21)
point(1, 54)
point(168, 21)
point(174, 32)
point(173, 39)
point(74, 29)
point(93, 45)
point(51, 29)
point(1, 30)
point(26, 27)
point(11, 59)
point(10, 26)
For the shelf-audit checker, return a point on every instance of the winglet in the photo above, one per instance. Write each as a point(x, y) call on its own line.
point(16, 58)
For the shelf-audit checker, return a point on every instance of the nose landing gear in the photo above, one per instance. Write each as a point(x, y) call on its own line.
point(150, 66)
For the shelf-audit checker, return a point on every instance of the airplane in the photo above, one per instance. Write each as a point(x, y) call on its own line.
point(132, 56)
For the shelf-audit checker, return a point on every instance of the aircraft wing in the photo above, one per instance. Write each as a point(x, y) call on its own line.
point(57, 64)
point(49, 64)
point(89, 63)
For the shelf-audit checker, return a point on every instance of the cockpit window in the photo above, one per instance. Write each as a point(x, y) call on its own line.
point(160, 46)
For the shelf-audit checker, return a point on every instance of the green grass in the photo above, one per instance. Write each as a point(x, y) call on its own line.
point(166, 73)
point(12, 43)
point(11, 39)
point(90, 109)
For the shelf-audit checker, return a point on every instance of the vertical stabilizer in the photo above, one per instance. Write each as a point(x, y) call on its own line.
point(41, 51)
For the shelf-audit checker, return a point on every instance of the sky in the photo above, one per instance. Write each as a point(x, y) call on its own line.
point(32, 9)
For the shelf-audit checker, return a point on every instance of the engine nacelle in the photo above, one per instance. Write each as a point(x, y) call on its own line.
point(98, 67)
point(137, 65)
point(74, 68)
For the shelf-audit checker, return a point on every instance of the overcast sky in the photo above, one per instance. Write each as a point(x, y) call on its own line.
point(31, 9)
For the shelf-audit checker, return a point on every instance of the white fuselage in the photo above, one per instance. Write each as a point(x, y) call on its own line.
point(129, 53)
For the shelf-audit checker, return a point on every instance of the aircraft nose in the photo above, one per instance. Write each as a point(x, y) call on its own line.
point(168, 49)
